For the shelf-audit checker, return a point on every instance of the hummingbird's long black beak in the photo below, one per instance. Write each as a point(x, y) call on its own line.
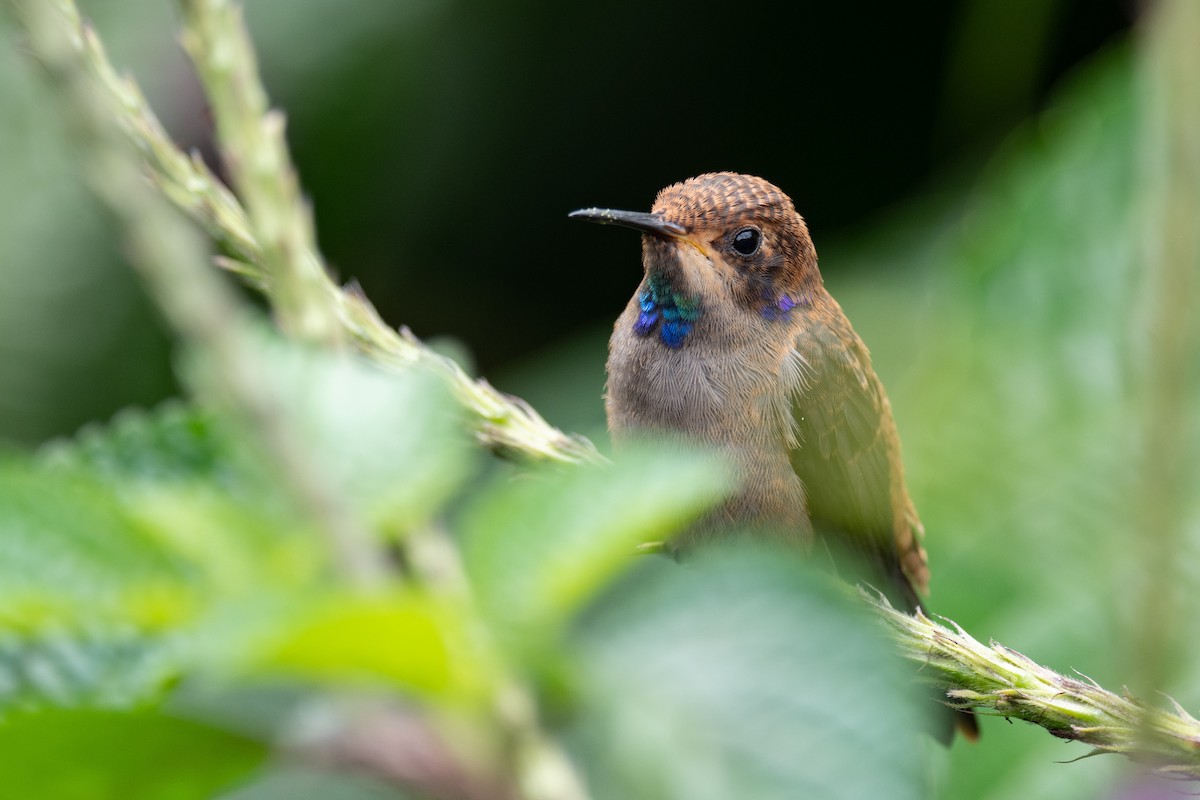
point(638, 220)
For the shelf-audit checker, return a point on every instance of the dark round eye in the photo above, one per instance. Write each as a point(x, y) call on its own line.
point(746, 241)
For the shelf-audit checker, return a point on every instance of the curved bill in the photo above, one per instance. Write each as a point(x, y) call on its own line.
point(638, 220)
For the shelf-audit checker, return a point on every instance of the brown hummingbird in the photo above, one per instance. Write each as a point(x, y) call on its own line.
point(731, 339)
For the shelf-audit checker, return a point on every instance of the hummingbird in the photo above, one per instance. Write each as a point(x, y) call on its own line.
point(732, 340)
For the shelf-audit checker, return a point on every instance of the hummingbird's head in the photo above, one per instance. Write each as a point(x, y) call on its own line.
point(724, 237)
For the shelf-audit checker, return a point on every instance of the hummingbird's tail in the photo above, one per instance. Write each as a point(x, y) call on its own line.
point(967, 724)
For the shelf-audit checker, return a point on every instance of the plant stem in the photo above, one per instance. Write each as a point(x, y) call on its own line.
point(996, 680)
point(251, 139)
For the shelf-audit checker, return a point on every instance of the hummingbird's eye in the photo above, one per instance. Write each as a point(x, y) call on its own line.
point(746, 241)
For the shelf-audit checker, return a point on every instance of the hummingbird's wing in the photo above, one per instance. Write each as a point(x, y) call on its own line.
point(847, 452)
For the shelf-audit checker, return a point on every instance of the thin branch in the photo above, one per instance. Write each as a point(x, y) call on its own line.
point(251, 139)
point(997, 680)
point(185, 180)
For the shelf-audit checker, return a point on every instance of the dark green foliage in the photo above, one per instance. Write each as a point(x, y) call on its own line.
point(137, 560)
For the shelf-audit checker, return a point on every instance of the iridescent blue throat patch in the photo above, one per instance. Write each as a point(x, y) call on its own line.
point(662, 308)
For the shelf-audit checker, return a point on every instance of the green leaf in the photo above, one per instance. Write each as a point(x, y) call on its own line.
point(102, 668)
point(171, 443)
point(743, 675)
point(160, 523)
point(175, 475)
point(113, 545)
point(231, 546)
point(69, 551)
point(408, 640)
point(539, 548)
point(66, 755)
point(391, 443)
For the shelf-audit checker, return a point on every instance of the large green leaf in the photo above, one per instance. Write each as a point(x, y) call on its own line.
point(112, 547)
point(539, 547)
point(177, 477)
point(69, 550)
point(400, 640)
point(157, 547)
point(744, 675)
point(390, 445)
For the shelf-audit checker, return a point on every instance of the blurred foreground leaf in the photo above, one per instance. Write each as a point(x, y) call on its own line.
point(744, 674)
point(104, 667)
point(540, 547)
point(67, 755)
point(392, 444)
point(69, 549)
point(174, 442)
point(162, 529)
point(405, 641)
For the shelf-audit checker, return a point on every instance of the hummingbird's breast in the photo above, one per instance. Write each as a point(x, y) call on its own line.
point(726, 387)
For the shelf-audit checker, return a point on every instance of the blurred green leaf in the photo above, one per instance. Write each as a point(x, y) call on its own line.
point(392, 444)
point(161, 522)
point(743, 674)
point(69, 550)
point(176, 479)
point(112, 546)
point(107, 667)
point(540, 547)
point(174, 442)
point(404, 639)
point(236, 547)
point(68, 755)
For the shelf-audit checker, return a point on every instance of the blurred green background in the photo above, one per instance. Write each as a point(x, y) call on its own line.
point(968, 169)
point(443, 144)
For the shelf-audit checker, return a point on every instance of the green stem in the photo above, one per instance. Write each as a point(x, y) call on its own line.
point(251, 139)
point(996, 680)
